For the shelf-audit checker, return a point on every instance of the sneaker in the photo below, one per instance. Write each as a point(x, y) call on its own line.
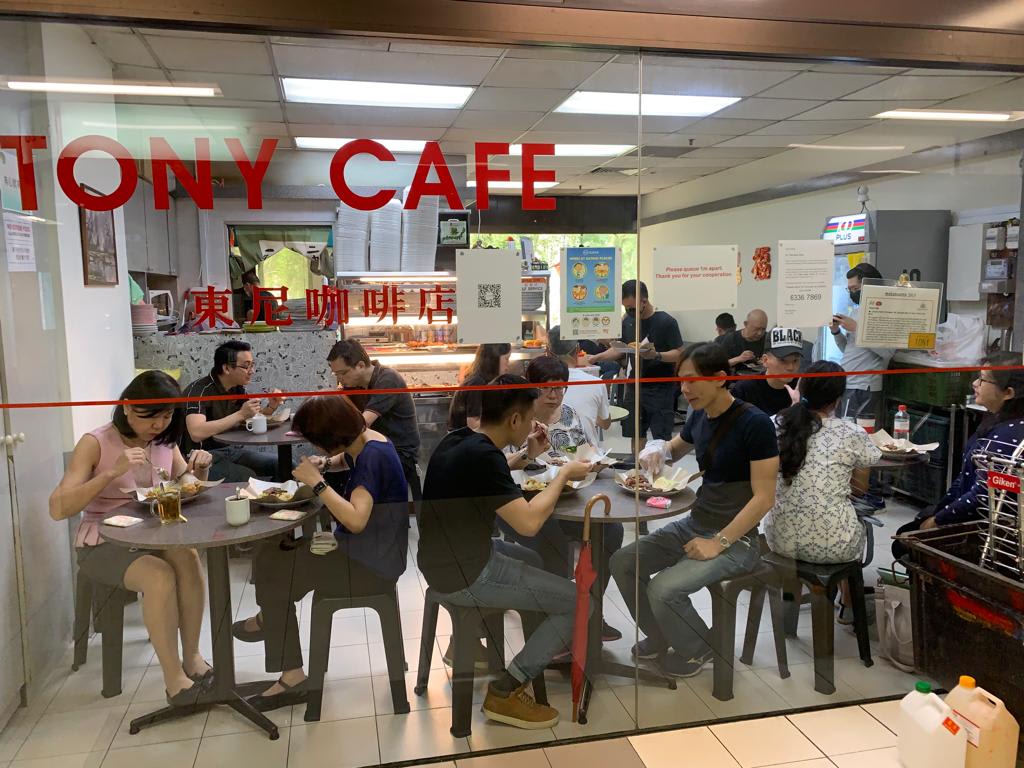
point(609, 634)
point(480, 664)
point(676, 666)
point(646, 650)
point(518, 708)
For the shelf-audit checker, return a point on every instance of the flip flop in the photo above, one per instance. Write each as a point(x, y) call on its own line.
point(239, 631)
point(291, 695)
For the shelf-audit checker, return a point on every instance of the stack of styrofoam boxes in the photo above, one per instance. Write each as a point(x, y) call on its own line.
point(386, 238)
point(351, 237)
point(419, 235)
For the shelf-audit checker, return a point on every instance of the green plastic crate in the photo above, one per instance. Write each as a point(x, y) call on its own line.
point(943, 388)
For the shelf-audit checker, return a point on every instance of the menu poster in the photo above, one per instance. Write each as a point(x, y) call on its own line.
point(805, 283)
point(695, 277)
point(489, 295)
point(898, 317)
point(591, 288)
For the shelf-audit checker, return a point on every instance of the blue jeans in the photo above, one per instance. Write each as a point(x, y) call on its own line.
point(665, 612)
point(509, 582)
point(237, 464)
point(554, 544)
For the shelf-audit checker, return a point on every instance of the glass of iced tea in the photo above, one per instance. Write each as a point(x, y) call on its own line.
point(168, 505)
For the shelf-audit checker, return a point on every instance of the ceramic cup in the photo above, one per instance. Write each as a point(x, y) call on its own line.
point(236, 510)
point(257, 424)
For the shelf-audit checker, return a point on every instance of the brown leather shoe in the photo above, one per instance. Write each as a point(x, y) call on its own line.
point(519, 709)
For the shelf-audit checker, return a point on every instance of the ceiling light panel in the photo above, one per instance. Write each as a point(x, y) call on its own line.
point(373, 94)
point(653, 104)
point(86, 88)
point(321, 142)
point(949, 115)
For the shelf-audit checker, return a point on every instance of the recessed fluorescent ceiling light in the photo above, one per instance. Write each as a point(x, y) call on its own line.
point(517, 185)
point(849, 147)
point(654, 104)
point(582, 150)
point(361, 93)
point(395, 145)
point(113, 89)
point(945, 114)
point(893, 170)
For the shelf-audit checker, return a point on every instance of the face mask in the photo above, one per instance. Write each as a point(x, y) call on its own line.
point(855, 296)
point(631, 311)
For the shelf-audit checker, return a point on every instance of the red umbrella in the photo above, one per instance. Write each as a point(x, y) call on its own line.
point(585, 578)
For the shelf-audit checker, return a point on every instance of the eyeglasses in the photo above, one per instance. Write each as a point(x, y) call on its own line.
point(246, 366)
point(554, 390)
point(983, 380)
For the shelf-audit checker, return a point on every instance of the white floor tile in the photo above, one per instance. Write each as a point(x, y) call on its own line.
point(839, 731)
point(418, 735)
point(751, 694)
point(616, 752)
point(224, 720)
point(876, 758)
point(661, 707)
point(343, 699)
point(72, 733)
point(491, 735)
point(349, 661)
point(821, 762)
point(252, 750)
point(182, 729)
point(887, 713)
point(797, 690)
point(173, 754)
point(880, 679)
point(534, 758)
point(15, 732)
point(766, 741)
point(338, 744)
point(437, 694)
point(605, 715)
point(82, 689)
point(378, 661)
point(697, 746)
point(87, 760)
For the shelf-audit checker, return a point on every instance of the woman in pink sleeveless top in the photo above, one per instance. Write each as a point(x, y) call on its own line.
point(138, 449)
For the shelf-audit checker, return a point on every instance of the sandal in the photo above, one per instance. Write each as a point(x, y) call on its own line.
point(291, 695)
point(205, 679)
point(187, 697)
point(239, 631)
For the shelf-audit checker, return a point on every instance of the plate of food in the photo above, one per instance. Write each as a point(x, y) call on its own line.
point(902, 448)
point(536, 483)
point(585, 452)
point(671, 482)
point(188, 485)
point(279, 417)
point(273, 495)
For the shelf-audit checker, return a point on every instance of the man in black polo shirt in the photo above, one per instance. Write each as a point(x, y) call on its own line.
point(746, 345)
point(468, 485)
point(393, 414)
point(233, 366)
point(782, 357)
point(737, 449)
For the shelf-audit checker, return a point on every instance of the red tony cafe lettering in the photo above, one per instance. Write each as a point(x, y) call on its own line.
point(199, 185)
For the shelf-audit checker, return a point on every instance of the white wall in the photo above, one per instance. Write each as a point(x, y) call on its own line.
point(989, 183)
point(97, 319)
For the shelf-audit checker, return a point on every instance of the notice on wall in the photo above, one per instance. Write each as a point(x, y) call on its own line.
point(694, 277)
point(489, 295)
point(804, 291)
point(898, 317)
point(20, 244)
point(591, 293)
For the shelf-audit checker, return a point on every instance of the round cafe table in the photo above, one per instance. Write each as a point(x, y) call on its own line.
point(208, 530)
point(624, 509)
point(276, 434)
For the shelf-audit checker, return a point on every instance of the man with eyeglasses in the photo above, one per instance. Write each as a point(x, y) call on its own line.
point(233, 366)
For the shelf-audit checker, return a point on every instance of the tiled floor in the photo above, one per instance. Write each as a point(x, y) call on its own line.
point(71, 726)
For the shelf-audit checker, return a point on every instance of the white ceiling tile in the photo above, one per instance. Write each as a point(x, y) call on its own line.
point(353, 64)
point(922, 87)
point(345, 131)
point(859, 110)
point(752, 140)
point(685, 140)
point(202, 54)
point(687, 161)
point(736, 152)
point(857, 69)
point(268, 130)
point(121, 47)
point(820, 85)
point(145, 74)
point(574, 137)
point(370, 116)
point(517, 99)
point(472, 118)
point(445, 49)
point(479, 134)
point(697, 80)
point(614, 78)
point(724, 126)
point(797, 127)
point(237, 87)
point(697, 61)
point(1009, 95)
point(531, 73)
point(364, 43)
point(248, 111)
point(960, 73)
point(768, 109)
point(558, 54)
point(590, 124)
point(193, 35)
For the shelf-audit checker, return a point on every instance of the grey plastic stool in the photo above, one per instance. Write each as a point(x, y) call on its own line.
point(324, 608)
point(102, 607)
point(465, 635)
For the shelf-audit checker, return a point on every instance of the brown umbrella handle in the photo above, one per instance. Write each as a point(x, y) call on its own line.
point(586, 512)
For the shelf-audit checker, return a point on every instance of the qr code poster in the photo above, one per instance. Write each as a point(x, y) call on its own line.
point(489, 295)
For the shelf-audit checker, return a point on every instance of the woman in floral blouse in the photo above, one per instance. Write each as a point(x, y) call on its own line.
point(820, 456)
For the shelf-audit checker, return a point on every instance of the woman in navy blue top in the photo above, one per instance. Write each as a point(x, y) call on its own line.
point(371, 527)
point(1001, 393)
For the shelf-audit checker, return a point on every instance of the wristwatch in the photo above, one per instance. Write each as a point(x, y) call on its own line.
point(722, 540)
point(319, 487)
point(836, 332)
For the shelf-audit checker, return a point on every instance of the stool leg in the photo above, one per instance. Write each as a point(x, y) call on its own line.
point(754, 611)
point(860, 616)
point(823, 634)
point(792, 595)
point(83, 616)
point(778, 630)
point(319, 657)
point(427, 638)
point(530, 623)
point(394, 651)
point(112, 624)
point(494, 629)
point(723, 639)
point(466, 634)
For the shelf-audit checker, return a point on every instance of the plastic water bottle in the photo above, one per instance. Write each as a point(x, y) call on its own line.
point(901, 424)
point(929, 736)
point(992, 732)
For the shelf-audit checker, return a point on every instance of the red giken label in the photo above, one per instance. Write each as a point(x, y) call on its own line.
point(950, 725)
point(1002, 482)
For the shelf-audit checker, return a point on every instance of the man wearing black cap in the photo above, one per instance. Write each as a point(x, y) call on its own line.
point(783, 353)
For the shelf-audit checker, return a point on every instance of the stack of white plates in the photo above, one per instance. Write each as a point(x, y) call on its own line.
point(419, 235)
point(143, 319)
point(351, 237)
point(386, 238)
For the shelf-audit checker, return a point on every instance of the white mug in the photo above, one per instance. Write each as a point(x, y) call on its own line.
point(236, 510)
point(257, 424)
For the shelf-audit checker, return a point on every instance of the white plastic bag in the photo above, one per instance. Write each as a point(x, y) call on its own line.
point(960, 339)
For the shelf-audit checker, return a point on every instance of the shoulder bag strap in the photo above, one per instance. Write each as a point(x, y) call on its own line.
point(723, 426)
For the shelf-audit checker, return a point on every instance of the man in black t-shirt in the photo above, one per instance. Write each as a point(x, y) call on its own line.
point(657, 360)
point(468, 485)
point(746, 345)
point(782, 357)
point(393, 414)
point(717, 540)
